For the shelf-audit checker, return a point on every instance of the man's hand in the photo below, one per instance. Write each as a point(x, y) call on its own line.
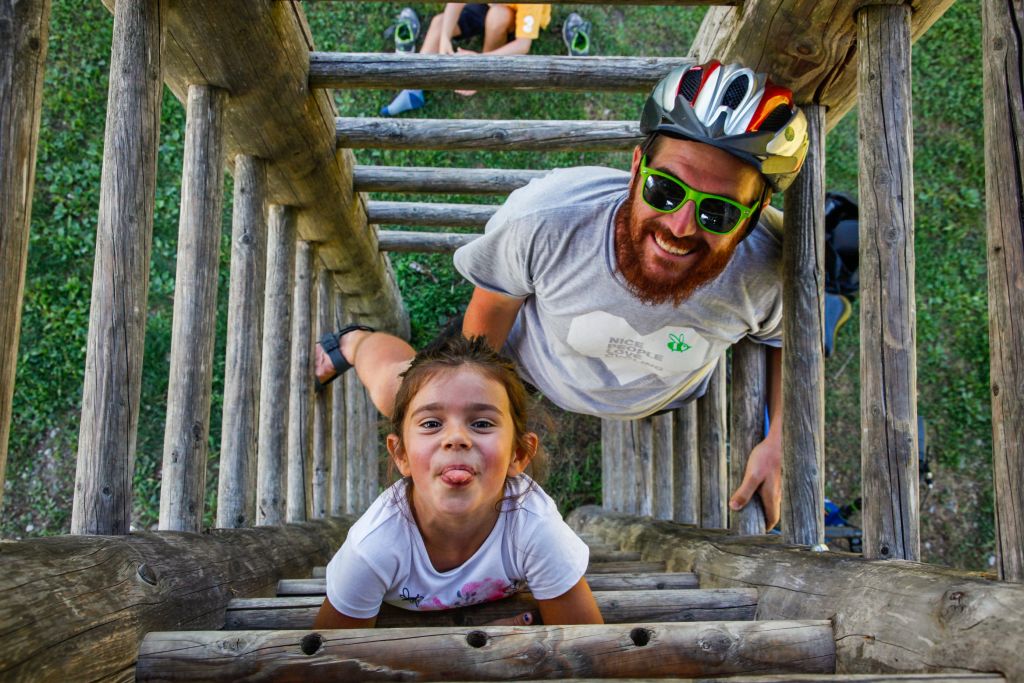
point(763, 475)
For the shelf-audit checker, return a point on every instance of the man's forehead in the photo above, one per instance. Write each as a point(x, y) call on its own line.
point(704, 166)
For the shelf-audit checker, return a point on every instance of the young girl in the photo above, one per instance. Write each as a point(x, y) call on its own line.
point(465, 524)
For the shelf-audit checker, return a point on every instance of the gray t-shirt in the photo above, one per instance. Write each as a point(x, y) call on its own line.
point(582, 337)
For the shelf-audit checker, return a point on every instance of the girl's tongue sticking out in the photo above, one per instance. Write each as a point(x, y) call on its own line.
point(456, 475)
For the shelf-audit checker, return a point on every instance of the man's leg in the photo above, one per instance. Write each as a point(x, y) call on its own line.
point(498, 23)
point(379, 358)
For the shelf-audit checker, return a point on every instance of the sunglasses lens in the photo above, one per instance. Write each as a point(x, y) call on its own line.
point(717, 216)
point(662, 194)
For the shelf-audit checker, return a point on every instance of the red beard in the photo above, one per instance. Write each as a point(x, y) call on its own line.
point(654, 289)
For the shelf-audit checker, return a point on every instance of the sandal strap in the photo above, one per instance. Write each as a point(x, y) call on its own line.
point(330, 342)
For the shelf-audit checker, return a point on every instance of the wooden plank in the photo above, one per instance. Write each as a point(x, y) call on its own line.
point(803, 358)
point(487, 134)
point(189, 384)
point(236, 483)
point(488, 72)
point(686, 465)
point(711, 430)
point(120, 285)
point(944, 677)
point(430, 214)
point(355, 436)
point(498, 653)
point(1004, 180)
point(597, 582)
point(810, 46)
point(638, 451)
point(662, 482)
point(274, 379)
point(92, 599)
point(371, 448)
point(441, 180)
point(300, 400)
point(896, 617)
point(24, 38)
point(888, 357)
point(322, 403)
point(746, 427)
point(617, 607)
point(423, 242)
point(611, 461)
point(339, 427)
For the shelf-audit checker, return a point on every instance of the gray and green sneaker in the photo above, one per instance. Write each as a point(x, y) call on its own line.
point(576, 35)
point(407, 30)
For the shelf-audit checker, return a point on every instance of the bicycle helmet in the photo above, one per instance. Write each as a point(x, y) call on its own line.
point(736, 110)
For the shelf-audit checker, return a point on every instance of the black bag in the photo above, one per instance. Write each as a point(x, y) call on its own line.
point(841, 245)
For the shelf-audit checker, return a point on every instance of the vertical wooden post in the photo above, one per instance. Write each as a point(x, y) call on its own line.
point(711, 432)
point(611, 464)
point(339, 439)
point(300, 414)
point(120, 286)
point(236, 484)
point(372, 462)
point(887, 316)
point(277, 348)
point(24, 29)
point(183, 482)
point(1004, 191)
point(322, 402)
point(749, 393)
point(638, 452)
point(685, 465)
point(662, 487)
point(354, 439)
point(803, 352)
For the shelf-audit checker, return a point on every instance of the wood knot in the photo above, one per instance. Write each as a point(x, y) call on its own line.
point(311, 643)
point(476, 638)
point(640, 636)
point(147, 574)
point(715, 644)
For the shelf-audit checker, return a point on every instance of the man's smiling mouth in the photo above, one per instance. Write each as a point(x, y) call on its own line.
point(675, 251)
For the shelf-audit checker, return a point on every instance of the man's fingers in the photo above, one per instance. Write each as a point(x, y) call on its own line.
point(742, 495)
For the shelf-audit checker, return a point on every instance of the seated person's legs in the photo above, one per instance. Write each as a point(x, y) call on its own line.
point(498, 24)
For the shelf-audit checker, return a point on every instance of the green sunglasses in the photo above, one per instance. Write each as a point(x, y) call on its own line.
point(667, 194)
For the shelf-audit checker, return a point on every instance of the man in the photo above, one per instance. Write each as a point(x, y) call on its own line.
point(618, 293)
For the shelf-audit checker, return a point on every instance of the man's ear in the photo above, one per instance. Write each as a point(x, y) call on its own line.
point(635, 167)
point(523, 454)
point(398, 454)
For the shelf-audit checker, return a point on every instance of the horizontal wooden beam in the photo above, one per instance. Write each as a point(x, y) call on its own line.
point(889, 615)
point(487, 72)
point(423, 242)
point(430, 214)
point(92, 598)
point(676, 3)
point(487, 134)
point(492, 652)
point(597, 582)
point(450, 180)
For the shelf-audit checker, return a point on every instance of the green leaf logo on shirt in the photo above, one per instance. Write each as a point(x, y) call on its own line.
point(676, 343)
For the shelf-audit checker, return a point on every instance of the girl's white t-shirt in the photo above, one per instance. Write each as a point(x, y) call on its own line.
point(383, 558)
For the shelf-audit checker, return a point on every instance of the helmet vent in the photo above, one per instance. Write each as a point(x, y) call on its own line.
point(737, 90)
point(779, 117)
point(690, 84)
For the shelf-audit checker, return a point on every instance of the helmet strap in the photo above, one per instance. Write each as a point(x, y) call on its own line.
point(766, 193)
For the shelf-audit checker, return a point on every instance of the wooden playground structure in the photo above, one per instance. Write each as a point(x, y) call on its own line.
point(688, 589)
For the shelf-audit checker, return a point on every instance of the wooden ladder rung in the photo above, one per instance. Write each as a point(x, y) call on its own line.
point(487, 134)
point(429, 214)
point(488, 72)
point(441, 180)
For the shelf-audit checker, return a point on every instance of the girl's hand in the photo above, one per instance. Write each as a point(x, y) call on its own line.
point(524, 619)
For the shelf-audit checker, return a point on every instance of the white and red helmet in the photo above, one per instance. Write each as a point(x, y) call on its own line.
point(736, 110)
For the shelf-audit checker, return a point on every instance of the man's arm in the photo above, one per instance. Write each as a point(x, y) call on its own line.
point(764, 467)
point(490, 315)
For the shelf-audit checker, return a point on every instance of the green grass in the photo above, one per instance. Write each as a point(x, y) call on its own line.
point(950, 258)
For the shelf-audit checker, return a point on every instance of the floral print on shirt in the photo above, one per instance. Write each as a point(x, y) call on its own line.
point(471, 593)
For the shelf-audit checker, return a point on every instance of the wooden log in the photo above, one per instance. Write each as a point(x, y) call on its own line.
point(92, 599)
point(638, 453)
point(355, 436)
point(441, 180)
point(236, 483)
point(944, 677)
point(617, 607)
point(685, 465)
point(888, 358)
point(597, 582)
point(602, 555)
point(339, 445)
point(611, 463)
point(488, 72)
point(492, 652)
point(120, 286)
point(186, 433)
point(803, 357)
point(486, 134)
point(24, 38)
point(322, 403)
point(300, 401)
point(274, 379)
point(423, 242)
point(677, 3)
point(711, 430)
point(662, 482)
point(746, 427)
point(889, 617)
point(371, 463)
point(427, 214)
point(1004, 132)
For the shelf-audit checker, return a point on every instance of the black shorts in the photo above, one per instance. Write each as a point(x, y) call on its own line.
point(471, 20)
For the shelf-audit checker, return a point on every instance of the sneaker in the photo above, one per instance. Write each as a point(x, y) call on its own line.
point(407, 30)
point(576, 35)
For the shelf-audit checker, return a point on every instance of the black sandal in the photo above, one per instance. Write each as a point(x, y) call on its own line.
point(330, 342)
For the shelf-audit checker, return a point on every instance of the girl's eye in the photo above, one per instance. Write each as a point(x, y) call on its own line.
point(430, 424)
point(482, 424)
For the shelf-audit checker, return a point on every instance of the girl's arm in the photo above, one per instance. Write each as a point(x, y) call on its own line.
point(575, 606)
point(328, 617)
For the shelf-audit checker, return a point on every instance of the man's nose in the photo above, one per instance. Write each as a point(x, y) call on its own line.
point(683, 222)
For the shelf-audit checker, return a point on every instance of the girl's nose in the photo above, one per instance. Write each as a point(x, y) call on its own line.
point(456, 437)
